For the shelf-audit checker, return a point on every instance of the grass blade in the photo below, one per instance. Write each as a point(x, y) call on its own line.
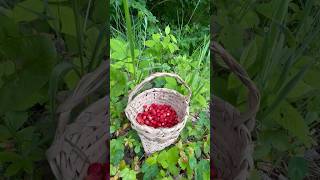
point(96, 49)
point(58, 72)
point(129, 34)
point(286, 90)
point(75, 7)
point(87, 16)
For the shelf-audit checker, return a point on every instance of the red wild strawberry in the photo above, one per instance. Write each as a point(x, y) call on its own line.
point(158, 115)
point(95, 169)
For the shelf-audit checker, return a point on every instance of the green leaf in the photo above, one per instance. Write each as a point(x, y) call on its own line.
point(71, 79)
point(128, 174)
point(21, 91)
point(116, 151)
point(57, 74)
point(150, 171)
point(173, 155)
point(7, 68)
point(27, 10)
point(64, 16)
point(113, 170)
point(8, 27)
point(249, 55)
point(285, 90)
point(173, 38)
point(167, 30)
point(13, 169)
point(206, 146)
point(152, 159)
point(26, 134)
point(250, 20)
point(173, 160)
point(149, 43)
point(172, 48)
point(289, 118)
point(203, 102)
point(202, 170)
point(118, 82)
point(98, 14)
point(266, 9)
point(311, 78)
point(297, 168)
point(156, 37)
point(277, 138)
point(171, 83)
point(36, 154)
point(162, 159)
point(27, 165)
point(192, 162)
point(137, 149)
point(197, 150)
point(162, 173)
point(15, 119)
point(118, 49)
point(9, 157)
point(182, 164)
point(4, 133)
point(261, 151)
point(301, 89)
point(232, 37)
point(233, 82)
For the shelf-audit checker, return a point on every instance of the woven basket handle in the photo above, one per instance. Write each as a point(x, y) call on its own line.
point(248, 116)
point(87, 85)
point(156, 75)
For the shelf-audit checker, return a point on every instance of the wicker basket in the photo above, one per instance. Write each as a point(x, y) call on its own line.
point(156, 139)
point(232, 142)
point(82, 142)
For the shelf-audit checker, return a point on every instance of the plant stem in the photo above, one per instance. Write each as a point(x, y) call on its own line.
point(76, 13)
point(87, 15)
point(129, 34)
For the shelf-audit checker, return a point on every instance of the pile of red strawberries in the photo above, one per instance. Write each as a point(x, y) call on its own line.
point(97, 171)
point(158, 115)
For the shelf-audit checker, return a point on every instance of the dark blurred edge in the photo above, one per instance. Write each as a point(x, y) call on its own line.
point(108, 88)
point(212, 59)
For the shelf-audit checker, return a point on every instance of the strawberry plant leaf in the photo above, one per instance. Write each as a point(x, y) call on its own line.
point(32, 74)
point(28, 165)
point(150, 171)
point(289, 118)
point(297, 168)
point(167, 30)
point(182, 164)
point(65, 16)
point(116, 151)
point(113, 170)
point(162, 159)
point(27, 10)
point(152, 160)
point(9, 157)
point(201, 170)
point(15, 119)
point(128, 174)
point(192, 162)
point(13, 169)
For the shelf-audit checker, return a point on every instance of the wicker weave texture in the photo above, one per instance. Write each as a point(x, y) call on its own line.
point(232, 142)
point(156, 139)
point(82, 142)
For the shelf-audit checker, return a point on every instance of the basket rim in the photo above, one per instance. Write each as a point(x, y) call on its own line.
point(160, 129)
